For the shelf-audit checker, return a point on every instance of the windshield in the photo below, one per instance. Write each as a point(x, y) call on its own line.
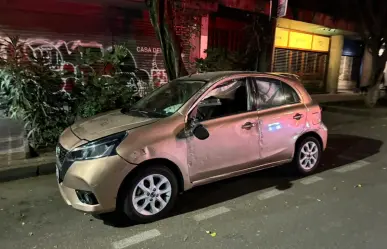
point(167, 99)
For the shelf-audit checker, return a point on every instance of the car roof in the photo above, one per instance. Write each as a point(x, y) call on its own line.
point(214, 76)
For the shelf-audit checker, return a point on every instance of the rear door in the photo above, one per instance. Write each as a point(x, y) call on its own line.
point(281, 118)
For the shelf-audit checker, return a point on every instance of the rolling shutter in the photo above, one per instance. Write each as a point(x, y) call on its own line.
point(310, 66)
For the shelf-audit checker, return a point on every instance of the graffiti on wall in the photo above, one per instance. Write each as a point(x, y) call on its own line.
point(62, 55)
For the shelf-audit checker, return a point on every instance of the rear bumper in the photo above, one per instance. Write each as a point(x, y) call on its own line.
point(101, 177)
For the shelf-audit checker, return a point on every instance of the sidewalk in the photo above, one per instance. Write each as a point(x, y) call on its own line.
point(326, 98)
point(352, 104)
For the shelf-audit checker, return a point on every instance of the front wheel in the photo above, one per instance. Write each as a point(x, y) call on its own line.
point(151, 194)
point(308, 155)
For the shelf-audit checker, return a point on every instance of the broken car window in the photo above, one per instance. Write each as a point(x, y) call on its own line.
point(226, 99)
point(167, 99)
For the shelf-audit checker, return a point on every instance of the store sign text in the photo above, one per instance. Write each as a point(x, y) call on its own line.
point(148, 50)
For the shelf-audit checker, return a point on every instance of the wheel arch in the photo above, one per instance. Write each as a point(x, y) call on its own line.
point(148, 163)
point(308, 134)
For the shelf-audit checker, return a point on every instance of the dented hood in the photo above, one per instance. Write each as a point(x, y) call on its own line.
point(107, 124)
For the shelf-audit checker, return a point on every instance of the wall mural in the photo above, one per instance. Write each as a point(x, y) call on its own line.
point(144, 74)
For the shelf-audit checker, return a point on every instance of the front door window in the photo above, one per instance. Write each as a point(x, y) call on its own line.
point(227, 99)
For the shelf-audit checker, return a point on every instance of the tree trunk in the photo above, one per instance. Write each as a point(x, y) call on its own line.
point(372, 96)
point(378, 65)
point(373, 93)
point(161, 17)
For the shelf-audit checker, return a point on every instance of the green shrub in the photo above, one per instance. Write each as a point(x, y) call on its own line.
point(105, 87)
point(31, 92)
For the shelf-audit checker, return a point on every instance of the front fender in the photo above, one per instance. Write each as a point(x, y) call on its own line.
point(148, 153)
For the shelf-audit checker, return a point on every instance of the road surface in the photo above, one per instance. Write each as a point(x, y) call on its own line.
point(342, 206)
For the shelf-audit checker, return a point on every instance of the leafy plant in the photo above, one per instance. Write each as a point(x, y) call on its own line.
point(31, 92)
point(105, 86)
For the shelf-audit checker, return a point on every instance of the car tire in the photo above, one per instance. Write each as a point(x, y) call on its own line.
point(307, 156)
point(144, 202)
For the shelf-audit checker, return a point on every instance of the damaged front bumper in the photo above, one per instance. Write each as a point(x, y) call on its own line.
point(92, 186)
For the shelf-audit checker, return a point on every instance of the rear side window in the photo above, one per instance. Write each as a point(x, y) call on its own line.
point(290, 96)
point(267, 93)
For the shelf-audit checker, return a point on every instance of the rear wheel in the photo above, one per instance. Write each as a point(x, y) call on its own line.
point(308, 155)
point(151, 194)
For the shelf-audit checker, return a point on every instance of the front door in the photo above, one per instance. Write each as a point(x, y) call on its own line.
point(282, 118)
point(233, 128)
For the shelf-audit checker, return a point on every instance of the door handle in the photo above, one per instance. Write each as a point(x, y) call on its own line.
point(298, 116)
point(248, 126)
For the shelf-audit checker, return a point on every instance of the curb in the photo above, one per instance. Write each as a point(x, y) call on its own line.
point(21, 169)
point(356, 112)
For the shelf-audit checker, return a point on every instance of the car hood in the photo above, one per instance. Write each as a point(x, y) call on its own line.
point(107, 124)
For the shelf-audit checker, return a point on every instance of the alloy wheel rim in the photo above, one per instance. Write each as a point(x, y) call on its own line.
point(309, 155)
point(152, 194)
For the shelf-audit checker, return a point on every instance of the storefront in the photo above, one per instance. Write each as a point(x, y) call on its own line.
point(304, 54)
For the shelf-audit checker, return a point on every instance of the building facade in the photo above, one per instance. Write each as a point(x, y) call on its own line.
point(306, 43)
point(57, 30)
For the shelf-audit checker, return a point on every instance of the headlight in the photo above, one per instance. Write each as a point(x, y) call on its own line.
point(97, 149)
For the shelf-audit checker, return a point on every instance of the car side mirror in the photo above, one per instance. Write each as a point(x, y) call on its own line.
point(200, 132)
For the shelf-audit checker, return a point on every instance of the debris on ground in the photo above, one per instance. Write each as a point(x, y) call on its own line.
point(185, 238)
point(30, 234)
point(212, 234)
point(358, 186)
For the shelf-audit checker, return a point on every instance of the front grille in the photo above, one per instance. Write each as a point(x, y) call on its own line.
point(61, 153)
point(63, 165)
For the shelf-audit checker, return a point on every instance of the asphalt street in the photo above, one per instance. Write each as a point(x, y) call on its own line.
point(344, 205)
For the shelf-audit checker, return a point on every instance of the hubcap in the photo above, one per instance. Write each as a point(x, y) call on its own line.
point(151, 194)
point(309, 155)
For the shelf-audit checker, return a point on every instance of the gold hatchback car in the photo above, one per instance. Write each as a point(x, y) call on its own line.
point(192, 131)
